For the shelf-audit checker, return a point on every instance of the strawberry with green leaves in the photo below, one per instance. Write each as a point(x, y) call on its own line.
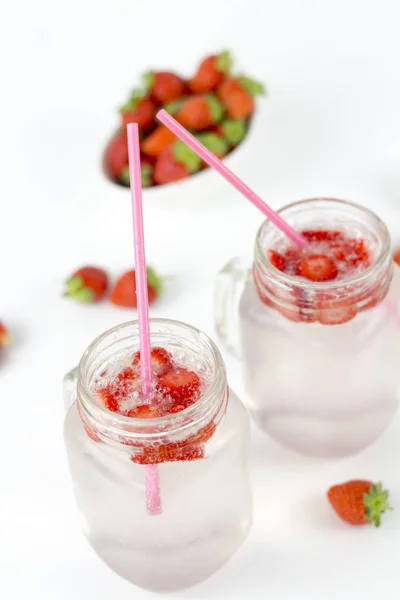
point(237, 94)
point(199, 112)
point(124, 291)
point(359, 502)
point(139, 109)
point(210, 72)
point(176, 162)
point(87, 284)
point(163, 86)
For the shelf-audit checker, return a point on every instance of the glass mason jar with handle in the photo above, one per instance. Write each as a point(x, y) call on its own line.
point(321, 359)
point(201, 455)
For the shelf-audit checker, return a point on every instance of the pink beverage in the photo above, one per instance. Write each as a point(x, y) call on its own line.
point(191, 426)
point(319, 329)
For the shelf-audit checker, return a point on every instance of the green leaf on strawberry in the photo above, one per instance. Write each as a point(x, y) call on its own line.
point(224, 62)
point(148, 80)
point(185, 155)
point(154, 281)
point(215, 107)
point(213, 142)
point(146, 172)
point(173, 106)
point(252, 87)
point(134, 99)
point(234, 130)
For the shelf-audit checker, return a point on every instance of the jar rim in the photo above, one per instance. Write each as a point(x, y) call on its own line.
point(205, 407)
point(380, 259)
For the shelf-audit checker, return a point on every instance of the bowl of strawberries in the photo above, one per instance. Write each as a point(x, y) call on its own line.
point(215, 105)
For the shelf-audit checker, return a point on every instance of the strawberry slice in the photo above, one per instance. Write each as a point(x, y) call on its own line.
point(108, 399)
point(144, 411)
point(317, 268)
point(161, 361)
point(277, 260)
point(181, 385)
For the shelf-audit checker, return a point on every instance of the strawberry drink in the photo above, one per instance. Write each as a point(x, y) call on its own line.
point(319, 330)
point(191, 426)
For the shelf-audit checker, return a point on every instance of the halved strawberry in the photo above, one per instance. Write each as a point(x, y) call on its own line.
point(317, 267)
point(181, 385)
point(161, 361)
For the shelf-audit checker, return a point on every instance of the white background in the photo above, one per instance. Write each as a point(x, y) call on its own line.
point(330, 126)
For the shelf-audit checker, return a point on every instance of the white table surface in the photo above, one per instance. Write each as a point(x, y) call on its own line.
point(329, 127)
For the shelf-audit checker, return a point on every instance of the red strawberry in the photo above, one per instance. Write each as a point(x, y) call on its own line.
point(124, 291)
point(161, 360)
point(157, 141)
point(88, 284)
point(396, 256)
point(108, 399)
point(138, 109)
point(237, 93)
point(146, 171)
point(359, 502)
point(4, 336)
point(210, 72)
point(181, 385)
point(199, 112)
point(213, 142)
point(116, 155)
point(176, 162)
point(163, 85)
point(277, 260)
point(317, 268)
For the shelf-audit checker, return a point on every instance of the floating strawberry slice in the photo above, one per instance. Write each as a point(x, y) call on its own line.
point(181, 385)
point(161, 361)
point(317, 268)
point(144, 411)
point(277, 260)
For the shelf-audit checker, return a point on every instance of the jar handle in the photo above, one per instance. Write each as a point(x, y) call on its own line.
point(230, 283)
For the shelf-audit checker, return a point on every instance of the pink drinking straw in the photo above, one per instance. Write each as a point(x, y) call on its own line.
point(153, 500)
point(223, 170)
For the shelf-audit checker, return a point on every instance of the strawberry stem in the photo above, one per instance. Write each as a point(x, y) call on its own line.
point(376, 502)
point(224, 62)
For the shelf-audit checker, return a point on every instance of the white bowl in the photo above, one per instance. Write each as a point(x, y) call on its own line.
point(199, 190)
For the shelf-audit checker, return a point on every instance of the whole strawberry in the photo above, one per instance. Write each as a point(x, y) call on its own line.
point(359, 502)
point(4, 337)
point(175, 162)
point(163, 86)
point(124, 291)
point(237, 94)
point(87, 284)
point(139, 109)
point(199, 112)
point(210, 72)
point(116, 155)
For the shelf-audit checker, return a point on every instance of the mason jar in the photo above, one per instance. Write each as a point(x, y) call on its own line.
point(165, 501)
point(321, 359)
